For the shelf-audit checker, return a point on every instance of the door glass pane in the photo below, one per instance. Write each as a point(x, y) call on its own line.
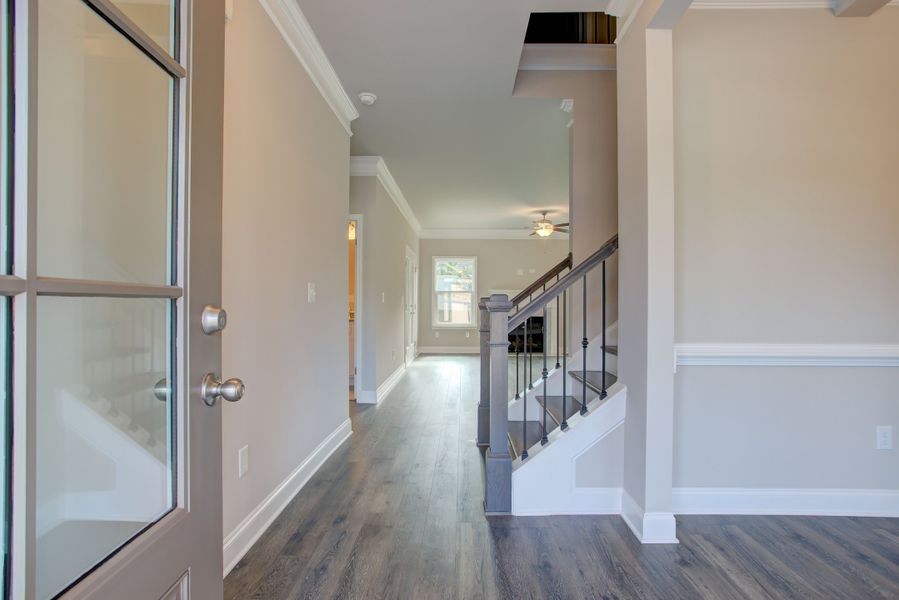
point(104, 461)
point(154, 17)
point(104, 151)
point(5, 137)
point(5, 438)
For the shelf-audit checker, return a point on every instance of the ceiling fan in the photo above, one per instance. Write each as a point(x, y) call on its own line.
point(545, 228)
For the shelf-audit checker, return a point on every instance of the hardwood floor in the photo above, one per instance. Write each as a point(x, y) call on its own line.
point(396, 513)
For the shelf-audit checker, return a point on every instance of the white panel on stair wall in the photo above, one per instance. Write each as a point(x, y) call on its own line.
point(546, 483)
point(600, 465)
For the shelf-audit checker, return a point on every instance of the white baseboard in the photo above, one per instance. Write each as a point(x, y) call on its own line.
point(648, 527)
point(390, 383)
point(449, 350)
point(580, 501)
point(786, 501)
point(242, 538)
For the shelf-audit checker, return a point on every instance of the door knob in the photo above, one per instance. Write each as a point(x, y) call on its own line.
point(214, 388)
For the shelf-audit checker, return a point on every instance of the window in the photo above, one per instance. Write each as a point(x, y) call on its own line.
point(455, 280)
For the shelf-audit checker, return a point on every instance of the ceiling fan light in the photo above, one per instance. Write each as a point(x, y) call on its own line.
point(544, 231)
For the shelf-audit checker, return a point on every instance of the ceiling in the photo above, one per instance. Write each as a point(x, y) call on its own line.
point(466, 154)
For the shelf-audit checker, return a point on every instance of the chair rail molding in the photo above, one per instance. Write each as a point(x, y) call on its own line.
point(297, 32)
point(787, 355)
point(376, 166)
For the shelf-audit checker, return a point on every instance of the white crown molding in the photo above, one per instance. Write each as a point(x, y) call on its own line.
point(785, 501)
point(486, 234)
point(767, 4)
point(296, 31)
point(375, 166)
point(788, 355)
point(568, 57)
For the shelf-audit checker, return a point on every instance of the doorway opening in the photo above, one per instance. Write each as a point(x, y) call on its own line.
point(410, 308)
point(354, 297)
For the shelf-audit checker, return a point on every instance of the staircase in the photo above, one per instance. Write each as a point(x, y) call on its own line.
point(533, 432)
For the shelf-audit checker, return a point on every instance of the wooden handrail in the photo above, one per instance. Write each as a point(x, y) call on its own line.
point(537, 304)
point(556, 270)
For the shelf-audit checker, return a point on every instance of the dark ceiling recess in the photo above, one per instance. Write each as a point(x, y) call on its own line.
point(571, 28)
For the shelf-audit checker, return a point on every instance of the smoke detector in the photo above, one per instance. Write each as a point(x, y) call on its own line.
point(367, 98)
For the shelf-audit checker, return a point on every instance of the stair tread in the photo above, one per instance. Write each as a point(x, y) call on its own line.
point(612, 350)
point(516, 441)
point(554, 407)
point(594, 379)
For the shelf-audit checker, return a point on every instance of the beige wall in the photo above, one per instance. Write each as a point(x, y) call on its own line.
point(787, 232)
point(594, 167)
point(385, 236)
point(286, 163)
point(499, 262)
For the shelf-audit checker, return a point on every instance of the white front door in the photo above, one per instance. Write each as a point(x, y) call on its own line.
point(112, 250)
point(410, 318)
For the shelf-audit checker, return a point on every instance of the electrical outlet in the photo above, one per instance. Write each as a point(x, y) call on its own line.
point(243, 461)
point(310, 292)
point(383, 297)
point(468, 334)
point(520, 272)
point(436, 334)
point(884, 437)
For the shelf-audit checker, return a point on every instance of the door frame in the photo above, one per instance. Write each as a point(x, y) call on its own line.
point(358, 331)
point(169, 555)
point(410, 320)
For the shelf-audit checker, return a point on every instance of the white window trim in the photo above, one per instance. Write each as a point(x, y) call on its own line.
point(474, 295)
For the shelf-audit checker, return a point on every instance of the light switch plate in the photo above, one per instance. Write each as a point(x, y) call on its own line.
point(243, 461)
point(884, 437)
point(310, 292)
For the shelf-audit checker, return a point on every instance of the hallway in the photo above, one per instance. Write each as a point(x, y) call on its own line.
point(397, 512)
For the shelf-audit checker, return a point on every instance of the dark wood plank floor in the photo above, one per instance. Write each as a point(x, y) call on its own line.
point(396, 513)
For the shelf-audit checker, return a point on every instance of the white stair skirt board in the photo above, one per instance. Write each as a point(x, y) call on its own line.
point(544, 484)
point(786, 501)
point(449, 350)
point(239, 541)
point(649, 527)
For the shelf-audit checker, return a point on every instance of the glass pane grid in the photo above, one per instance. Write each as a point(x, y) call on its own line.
point(104, 429)
point(106, 366)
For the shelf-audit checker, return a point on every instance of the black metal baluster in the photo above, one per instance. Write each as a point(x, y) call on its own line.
point(517, 367)
point(544, 439)
point(524, 422)
point(584, 343)
point(557, 326)
point(564, 424)
point(603, 393)
point(529, 365)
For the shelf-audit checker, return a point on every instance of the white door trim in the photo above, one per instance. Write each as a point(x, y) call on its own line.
point(358, 332)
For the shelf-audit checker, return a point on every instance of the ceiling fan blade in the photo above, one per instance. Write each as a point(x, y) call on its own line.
point(562, 224)
point(560, 230)
point(533, 234)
